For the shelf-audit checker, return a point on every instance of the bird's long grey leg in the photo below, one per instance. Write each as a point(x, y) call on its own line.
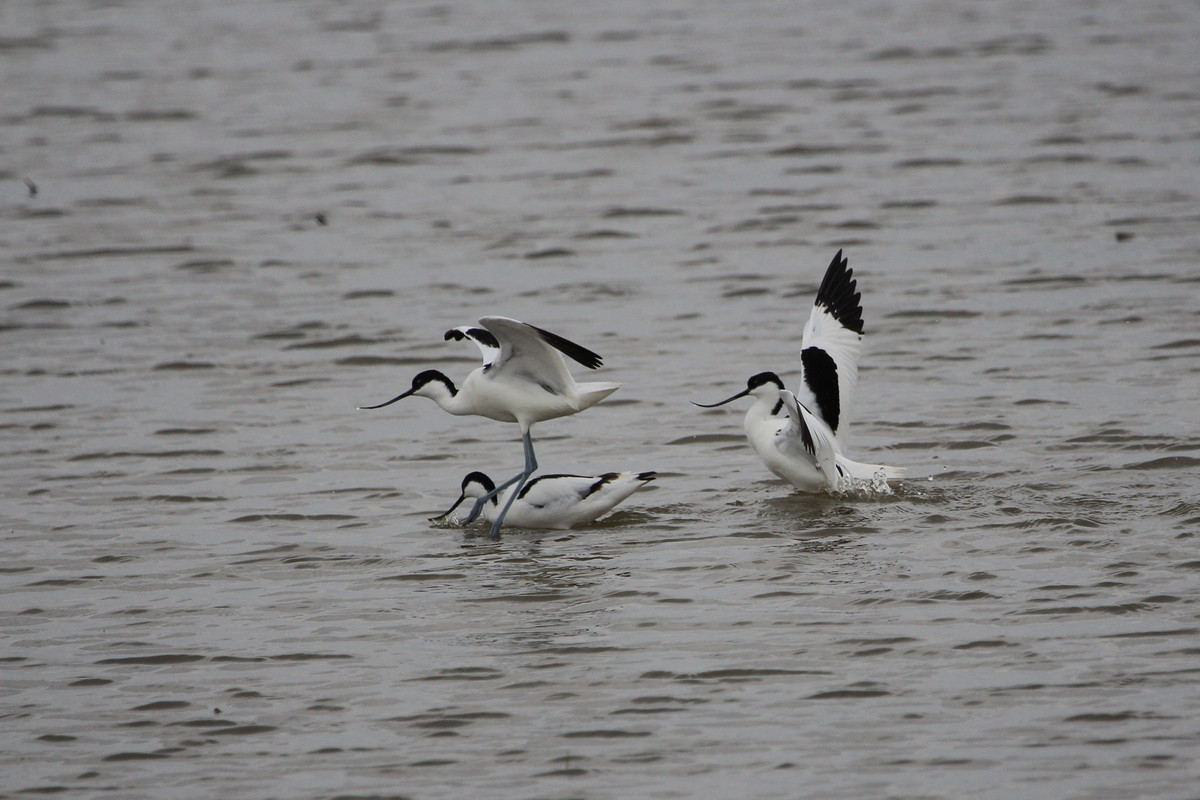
point(530, 467)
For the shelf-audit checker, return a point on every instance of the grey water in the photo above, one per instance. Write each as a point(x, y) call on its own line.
point(224, 226)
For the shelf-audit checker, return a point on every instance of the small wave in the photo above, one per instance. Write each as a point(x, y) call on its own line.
point(162, 705)
point(1167, 462)
point(160, 115)
point(132, 756)
point(707, 438)
point(184, 365)
point(550, 252)
point(155, 660)
point(848, 694)
point(408, 156)
point(603, 733)
point(620, 212)
point(243, 730)
point(42, 304)
point(205, 266)
point(354, 340)
point(362, 294)
point(293, 517)
point(512, 42)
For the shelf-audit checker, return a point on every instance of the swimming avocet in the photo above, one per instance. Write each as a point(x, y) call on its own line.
point(551, 501)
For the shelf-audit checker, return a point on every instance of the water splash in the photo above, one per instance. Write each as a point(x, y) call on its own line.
point(863, 488)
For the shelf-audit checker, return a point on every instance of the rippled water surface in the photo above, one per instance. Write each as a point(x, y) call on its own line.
point(224, 226)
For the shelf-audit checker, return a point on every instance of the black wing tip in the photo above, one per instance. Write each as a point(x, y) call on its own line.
point(609, 477)
point(481, 335)
point(839, 294)
point(577, 352)
point(601, 482)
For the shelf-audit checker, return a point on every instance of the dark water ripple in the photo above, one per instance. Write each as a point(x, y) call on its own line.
point(231, 225)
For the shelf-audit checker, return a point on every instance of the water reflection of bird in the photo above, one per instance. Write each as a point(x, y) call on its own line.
point(799, 436)
point(550, 501)
point(524, 379)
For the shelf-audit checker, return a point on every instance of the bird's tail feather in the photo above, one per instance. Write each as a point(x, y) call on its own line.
point(867, 472)
point(592, 393)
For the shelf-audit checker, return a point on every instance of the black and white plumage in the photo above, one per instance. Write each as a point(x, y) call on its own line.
point(800, 436)
point(830, 347)
point(523, 379)
point(489, 345)
point(551, 501)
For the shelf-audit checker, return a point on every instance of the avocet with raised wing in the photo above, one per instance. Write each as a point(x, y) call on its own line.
point(524, 379)
point(550, 501)
point(799, 436)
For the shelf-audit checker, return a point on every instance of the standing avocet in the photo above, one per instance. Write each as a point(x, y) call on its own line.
point(524, 379)
point(551, 501)
point(799, 437)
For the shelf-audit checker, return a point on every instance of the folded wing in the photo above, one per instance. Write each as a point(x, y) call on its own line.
point(550, 491)
point(806, 431)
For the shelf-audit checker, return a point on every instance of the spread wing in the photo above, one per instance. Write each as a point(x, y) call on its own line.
point(536, 354)
point(830, 348)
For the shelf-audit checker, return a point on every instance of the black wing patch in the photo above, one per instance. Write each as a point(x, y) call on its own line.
point(568, 348)
point(481, 335)
point(838, 294)
point(820, 375)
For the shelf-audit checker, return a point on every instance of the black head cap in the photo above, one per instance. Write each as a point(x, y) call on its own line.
point(481, 479)
point(762, 379)
point(431, 376)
